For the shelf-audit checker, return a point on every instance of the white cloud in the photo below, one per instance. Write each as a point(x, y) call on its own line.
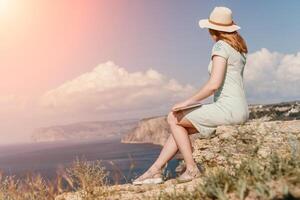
point(109, 88)
point(272, 76)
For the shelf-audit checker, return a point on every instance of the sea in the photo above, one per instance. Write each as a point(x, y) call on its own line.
point(122, 161)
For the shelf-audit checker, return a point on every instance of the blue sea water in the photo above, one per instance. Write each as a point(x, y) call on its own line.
point(123, 161)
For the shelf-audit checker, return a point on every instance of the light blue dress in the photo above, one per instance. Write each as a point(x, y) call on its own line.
point(229, 103)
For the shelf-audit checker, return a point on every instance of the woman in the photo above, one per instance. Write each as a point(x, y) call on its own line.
point(226, 67)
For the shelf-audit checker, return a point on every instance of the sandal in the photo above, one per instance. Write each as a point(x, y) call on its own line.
point(189, 175)
point(150, 177)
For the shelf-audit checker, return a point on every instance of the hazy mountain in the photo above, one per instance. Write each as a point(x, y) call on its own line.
point(84, 130)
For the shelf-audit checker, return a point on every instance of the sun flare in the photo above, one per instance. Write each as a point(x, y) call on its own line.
point(4, 5)
point(9, 8)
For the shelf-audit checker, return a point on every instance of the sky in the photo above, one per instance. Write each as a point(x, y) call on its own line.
point(66, 61)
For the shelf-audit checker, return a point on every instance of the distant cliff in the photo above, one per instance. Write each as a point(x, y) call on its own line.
point(149, 130)
point(156, 129)
point(84, 130)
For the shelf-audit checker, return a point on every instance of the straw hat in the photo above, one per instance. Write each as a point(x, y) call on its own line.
point(220, 19)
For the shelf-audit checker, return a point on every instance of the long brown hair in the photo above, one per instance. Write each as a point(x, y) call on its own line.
point(233, 38)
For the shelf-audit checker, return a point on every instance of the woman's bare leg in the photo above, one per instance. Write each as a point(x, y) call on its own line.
point(170, 148)
point(168, 151)
point(183, 142)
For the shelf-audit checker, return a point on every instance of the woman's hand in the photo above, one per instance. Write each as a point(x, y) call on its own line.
point(183, 104)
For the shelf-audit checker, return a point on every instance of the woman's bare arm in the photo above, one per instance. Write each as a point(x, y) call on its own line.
point(215, 80)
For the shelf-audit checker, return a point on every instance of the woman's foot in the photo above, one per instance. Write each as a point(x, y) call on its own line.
point(189, 174)
point(151, 176)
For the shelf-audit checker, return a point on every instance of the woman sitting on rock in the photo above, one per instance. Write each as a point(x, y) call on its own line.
point(226, 67)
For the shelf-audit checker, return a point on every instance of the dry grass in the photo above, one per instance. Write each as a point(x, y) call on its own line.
point(33, 187)
point(86, 176)
point(82, 175)
point(275, 178)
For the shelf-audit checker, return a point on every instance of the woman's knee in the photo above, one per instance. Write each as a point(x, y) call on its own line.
point(171, 118)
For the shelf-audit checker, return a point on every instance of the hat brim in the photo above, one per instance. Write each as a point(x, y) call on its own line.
point(204, 23)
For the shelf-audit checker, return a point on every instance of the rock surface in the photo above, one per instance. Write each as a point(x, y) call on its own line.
point(131, 192)
point(241, 141)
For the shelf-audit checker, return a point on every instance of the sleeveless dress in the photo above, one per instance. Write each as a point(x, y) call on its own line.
point(229, 102)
